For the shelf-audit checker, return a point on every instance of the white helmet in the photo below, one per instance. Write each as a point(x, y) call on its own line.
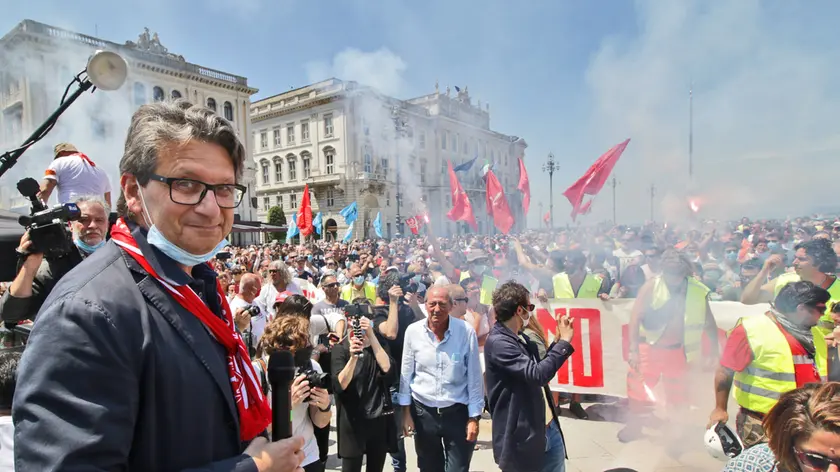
point(722, 443)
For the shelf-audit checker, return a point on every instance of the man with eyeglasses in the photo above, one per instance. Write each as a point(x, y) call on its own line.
point(152, 373)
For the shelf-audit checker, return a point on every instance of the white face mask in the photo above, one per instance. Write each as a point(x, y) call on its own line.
point(525, 321)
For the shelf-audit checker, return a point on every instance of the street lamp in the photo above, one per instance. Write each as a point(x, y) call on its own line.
point(550, 166)
point(399, 131)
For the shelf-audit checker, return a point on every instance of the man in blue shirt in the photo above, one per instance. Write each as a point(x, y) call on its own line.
point(526, 438)
point(441, 387)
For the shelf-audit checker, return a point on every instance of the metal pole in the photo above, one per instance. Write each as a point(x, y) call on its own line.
point(690, 131)
point(614, 183)
point(551, 197)
point(652, 193)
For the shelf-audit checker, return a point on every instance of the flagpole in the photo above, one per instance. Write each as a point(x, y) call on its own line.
point(550, 166)
point(691, 130)
point(652, 194)
point(614, 184)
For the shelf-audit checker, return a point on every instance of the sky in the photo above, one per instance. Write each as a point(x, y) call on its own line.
point(572, 78)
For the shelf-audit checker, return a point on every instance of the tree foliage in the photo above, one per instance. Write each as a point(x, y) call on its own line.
point(276, 217)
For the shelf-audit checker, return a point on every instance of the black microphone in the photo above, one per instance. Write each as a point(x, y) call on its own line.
point(281, 374)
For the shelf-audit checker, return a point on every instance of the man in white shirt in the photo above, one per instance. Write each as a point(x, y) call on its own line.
point(253, 326)
point(8, 372)
point(281, 281)
point(75, 175)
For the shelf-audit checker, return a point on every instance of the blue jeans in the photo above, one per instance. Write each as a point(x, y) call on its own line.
point(398, 459)
point(555, 450)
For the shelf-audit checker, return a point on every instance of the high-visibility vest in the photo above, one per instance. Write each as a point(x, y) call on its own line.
point(773, 369)
point(694, 318)
point(826, 322)
point(347, 292)
point(488, 285)
point(563, 286)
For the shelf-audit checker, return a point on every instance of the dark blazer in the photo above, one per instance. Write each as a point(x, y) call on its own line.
point(517, 403)
point(118, 376)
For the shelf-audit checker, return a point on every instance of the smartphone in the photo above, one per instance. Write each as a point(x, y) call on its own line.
point(223, 256)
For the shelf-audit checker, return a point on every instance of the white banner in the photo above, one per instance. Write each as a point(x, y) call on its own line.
point(599, 363)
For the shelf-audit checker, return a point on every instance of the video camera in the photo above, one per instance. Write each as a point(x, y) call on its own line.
point(354, 313)
point(47, 226)
point(408, 284)
point(316, 379)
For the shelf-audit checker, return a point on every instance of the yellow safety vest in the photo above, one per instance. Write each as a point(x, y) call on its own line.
point(772, 371)
point(370, 292)
point(826, 323)
point(695, 315)
point(488, 285)
point(588, 289)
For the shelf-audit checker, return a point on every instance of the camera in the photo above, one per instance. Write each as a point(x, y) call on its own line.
point(47, 226)
point(316, 379)
point(407, 284)
point(357, 310)
point(252, 310)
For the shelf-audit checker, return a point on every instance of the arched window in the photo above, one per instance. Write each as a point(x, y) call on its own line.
point(292, 167)
point(211, 104)
point(306, 159)
point(278, 169)
point(175, 94)
point(329, 160)
point(228, 108)
point(139, 94)
point(157, 94)
point(264, 166)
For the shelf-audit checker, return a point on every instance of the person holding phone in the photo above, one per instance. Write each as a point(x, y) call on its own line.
point(363, 372)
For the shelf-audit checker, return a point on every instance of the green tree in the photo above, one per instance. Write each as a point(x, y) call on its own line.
point(276, 217)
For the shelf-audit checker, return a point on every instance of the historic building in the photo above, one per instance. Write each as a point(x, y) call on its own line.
point(351, 143)
point(38, 61)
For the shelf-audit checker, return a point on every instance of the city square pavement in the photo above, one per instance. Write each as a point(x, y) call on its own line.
point(668, 446)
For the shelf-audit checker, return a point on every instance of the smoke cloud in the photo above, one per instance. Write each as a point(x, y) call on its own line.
point(765, 99)
point(96, 123)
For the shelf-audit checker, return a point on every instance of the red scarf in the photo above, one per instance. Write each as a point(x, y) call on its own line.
point(86, 159)
point(254, 412)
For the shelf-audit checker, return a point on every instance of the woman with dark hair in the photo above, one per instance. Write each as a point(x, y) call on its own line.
point(363, 372)
point(295, 305)
point(803, 432)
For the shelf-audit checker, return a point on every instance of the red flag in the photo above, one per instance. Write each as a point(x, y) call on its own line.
point(461, 206)
point(594, 178)
point(584, 209)
point(524, 186)
point(547, 218)
point(497, 204)
point(412, 224)
point(304, 217)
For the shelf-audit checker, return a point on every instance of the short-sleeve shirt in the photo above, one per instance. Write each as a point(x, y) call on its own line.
point(76, 176)
point(325, 316)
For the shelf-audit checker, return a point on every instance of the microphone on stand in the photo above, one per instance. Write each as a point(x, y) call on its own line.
point(281, 374)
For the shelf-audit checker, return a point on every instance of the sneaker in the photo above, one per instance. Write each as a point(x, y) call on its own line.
point(577, 410)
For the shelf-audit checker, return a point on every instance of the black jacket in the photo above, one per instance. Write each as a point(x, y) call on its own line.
point(13, 309)
point(118, 376)
point(517, 403)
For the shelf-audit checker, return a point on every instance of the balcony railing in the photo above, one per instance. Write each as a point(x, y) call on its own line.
point(325, 179)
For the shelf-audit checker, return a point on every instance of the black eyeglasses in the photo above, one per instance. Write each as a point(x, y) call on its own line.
point(529, 307)
point(465, 299)
point(815, 461)
point(332, 285)
point(192, 192)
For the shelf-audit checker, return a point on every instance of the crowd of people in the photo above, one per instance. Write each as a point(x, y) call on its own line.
point(164, 331)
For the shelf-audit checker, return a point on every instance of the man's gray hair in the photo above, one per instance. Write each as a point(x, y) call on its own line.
point(283, 269)
point(178, 122)
point(94, 199)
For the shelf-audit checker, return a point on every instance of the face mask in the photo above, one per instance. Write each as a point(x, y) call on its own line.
point(309, 258)
point(731, 256)
point(347, 264)
point(773, 246)
point(359, 280)
point(525, 321)
point(157, 239)
point(86, 248)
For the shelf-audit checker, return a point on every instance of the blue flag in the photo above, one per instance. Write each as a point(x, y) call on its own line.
point(349, 234)
point(465, 166)
point(350, 213)
point(317, 223)
point(293, 230)
point(377, 224)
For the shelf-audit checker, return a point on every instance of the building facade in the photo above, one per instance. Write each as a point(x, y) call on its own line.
point(350, 143)
point(38, 61)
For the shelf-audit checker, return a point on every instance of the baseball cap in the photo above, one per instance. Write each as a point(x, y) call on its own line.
point(63, 147)
point(282, 296)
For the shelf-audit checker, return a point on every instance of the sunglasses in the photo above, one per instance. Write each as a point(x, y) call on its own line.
point(815, 461)
point(332, 285)
point(465, 299)
point(529, 307)
point(273, 271)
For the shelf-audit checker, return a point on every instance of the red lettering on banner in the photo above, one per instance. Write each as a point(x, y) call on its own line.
point(595, 344)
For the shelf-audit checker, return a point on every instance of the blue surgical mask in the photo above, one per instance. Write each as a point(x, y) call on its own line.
point(157, 239)
point(359, 279)
point(309, 258)
point(731, 256)
point(773, 245)
point(86, 248)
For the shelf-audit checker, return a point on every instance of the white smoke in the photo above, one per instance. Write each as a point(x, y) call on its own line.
point(765, 102)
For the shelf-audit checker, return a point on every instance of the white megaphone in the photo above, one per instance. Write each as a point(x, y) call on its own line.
point(107, 70)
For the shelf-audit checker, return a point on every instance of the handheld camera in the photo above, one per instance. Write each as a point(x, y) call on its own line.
point(47, 226)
